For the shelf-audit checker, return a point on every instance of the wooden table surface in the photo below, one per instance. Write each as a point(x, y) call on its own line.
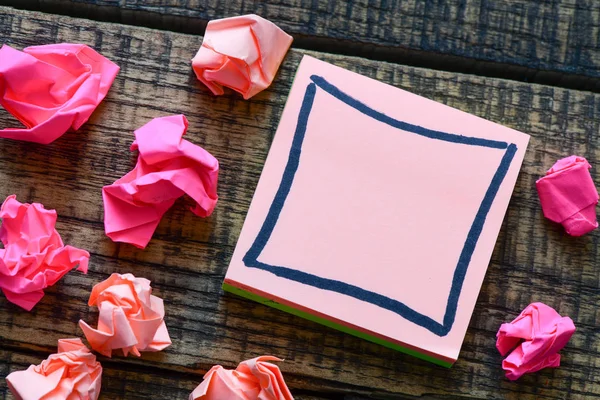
point(533, 66)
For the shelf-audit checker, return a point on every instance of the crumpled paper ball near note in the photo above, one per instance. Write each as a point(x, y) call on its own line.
point(34, 256)
point(73, 373)
point(568, 195)
point(538, 333)
point(52, 88)
point(131, 318)
point(167, 168)
point(242, 53)
point(255, 379)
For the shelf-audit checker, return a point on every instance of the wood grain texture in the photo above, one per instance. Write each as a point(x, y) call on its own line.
point(122, 382)
point(529, 40)
point(187, 259)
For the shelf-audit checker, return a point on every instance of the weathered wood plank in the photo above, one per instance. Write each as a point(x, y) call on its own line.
point(187, 259)
point(543, 40)
point(122, 381)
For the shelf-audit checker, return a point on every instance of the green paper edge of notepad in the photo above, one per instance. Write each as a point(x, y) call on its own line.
point(323, 321)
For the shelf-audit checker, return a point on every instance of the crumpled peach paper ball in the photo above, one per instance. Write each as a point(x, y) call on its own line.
point(168, 167)
point(131, 318)
point(71, 374)
point(538, 333)
point(568, 195)
point(242, 53)
point(52, 88)
point(34, 256)
point(255, 379)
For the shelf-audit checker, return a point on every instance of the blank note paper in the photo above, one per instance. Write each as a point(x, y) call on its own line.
point(377, 212)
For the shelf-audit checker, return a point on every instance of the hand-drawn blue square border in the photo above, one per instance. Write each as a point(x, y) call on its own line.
point(251, 257)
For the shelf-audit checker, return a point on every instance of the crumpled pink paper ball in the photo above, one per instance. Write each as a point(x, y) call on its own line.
point(167, 168)
point(255, 379)
point(568, 195)
point(242, 53)
point(34, 256)
point(131, 318)
point(540, 333)
point(52, 88)
point(73, 373)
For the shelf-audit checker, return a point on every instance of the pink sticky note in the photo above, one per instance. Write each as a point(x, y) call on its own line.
point(168, 167)
point(73, 373)
point(255, 379)
point(538, 334)
point(242, 53)
point(52, 88)
point(34, 256)
point(377, 211)
point(568, 195)
point(131, 318)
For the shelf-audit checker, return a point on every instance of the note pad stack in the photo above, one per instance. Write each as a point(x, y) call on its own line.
point(377, 212)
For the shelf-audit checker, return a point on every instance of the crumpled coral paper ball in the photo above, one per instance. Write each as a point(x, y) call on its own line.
point(568, 195)
point(73, 373)
point(34, 256)
point(131, 318)
point(242, 53)
point(52, 88)
point(167, 168)
point(538, 333)
point(255, 379)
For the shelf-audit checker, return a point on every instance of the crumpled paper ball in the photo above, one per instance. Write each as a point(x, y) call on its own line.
point(34, 256)
point(131, 318)
point(168, 167)
point(255, 379)
point(568, 195)
point(539, 333)
point(242, 53)
point(52, 88)
point(73, 373)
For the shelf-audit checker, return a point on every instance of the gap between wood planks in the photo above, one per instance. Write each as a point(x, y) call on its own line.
point(398, 55)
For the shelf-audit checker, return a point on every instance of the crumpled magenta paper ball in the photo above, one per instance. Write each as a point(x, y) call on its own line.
point(131, 318)
point(568, 195)
point(52, 88)
point(242, 53)
point(73, 373)
point(34, 256)
point(168, 167)
point(255, 379)
point(538, 333)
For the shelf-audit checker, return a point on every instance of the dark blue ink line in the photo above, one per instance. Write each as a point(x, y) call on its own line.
point(251, 257)
point(288, 177)
point(473, 236)
point(356, 292)
point(405, 126)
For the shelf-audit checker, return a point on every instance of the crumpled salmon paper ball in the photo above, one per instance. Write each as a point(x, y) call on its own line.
point(73, 373)
point(131, 318)
point(242, 53)
point(255, 379)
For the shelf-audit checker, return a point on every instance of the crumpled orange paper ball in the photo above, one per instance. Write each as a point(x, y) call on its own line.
point(71, 374)
point(254, 379)
point(131, 318)
point(538, 333)
point(242, 53)
point(168, 167)
point(34, 256)
point(52, 88)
